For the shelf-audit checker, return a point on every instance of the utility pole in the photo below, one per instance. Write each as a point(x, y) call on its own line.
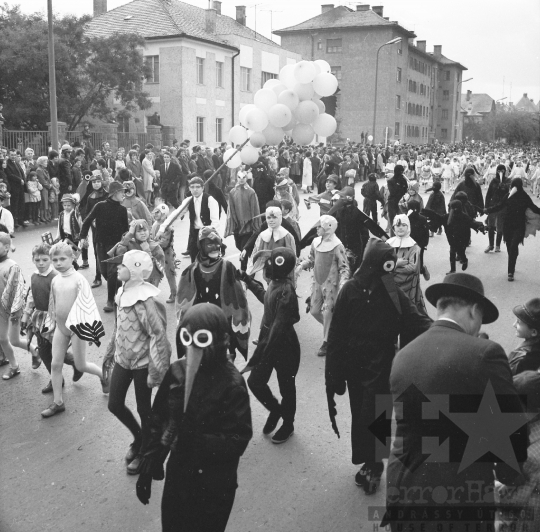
point(272, 11)
point(52, 79)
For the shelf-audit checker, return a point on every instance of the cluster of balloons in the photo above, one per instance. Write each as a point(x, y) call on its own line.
point(288, 105)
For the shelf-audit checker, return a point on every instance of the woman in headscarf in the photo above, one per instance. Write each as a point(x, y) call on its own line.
point(519, 220)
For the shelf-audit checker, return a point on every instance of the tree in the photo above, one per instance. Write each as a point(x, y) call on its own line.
point(97, 77)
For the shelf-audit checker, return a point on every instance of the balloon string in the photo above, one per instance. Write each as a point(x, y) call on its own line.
point(216, 172)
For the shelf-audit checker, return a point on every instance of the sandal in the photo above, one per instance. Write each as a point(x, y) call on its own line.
point(13, 372)
point(4, 362)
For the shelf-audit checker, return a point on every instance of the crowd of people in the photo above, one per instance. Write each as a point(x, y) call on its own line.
point(366, 295)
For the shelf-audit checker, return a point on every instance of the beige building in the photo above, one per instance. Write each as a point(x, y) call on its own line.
point(206, 66)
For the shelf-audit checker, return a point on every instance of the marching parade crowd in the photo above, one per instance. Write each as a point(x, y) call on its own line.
point(367, 261)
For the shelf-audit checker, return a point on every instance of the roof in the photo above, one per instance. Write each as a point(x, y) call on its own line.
point(527, 105)
point(443, 60)
point(477, 105)
point(154, 19)
point(343, 17)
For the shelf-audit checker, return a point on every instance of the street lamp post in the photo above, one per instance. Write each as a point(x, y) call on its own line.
point(52, 80)
point(459, 93)
point(494, 122)
point(393, 41)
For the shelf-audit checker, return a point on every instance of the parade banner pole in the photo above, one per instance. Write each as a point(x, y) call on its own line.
point(52, 80)
point(216, 172)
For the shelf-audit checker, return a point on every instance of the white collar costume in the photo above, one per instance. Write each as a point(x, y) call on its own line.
point(329, 225)
point(402, 242)
point(279, 232)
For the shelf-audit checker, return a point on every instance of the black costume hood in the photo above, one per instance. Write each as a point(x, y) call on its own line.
point(279, 263)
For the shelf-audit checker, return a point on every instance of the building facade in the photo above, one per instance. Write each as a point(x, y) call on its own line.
point(413, 98)
point(205, 66)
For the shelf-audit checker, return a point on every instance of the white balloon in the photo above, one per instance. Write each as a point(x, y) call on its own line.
point(271, 83)
point(303, 134)
point(320, 105)
point(265, 98)
point(238, 135)
point(278, 89)
point(244, 111)
point(289, 98)
point(286, 76)
point(304, 90)
point(232, 161)
point(325, 125)
point(279, 115)
point(325, 84)
point(257, 139)
point(370, 138)
point(273, 135)
point(323, 65)
point(256, 119)
point(317, 68)
point(249, 154)
point(304, 72)
point(306, 112)
point(290, 125)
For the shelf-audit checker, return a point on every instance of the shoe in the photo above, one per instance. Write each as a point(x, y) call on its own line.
point(77, 374)
point(497, 249)
point(53, 409)
point(36, 361)
point(84, 265)
point(369, 477)
point(26, 222)
point(105, 385)
point(13, 372)
point(322, 350)
point(133, 451)
point(96, 283)
point(171, 299)
point(283, 434)
point(488, 249)
point(431, 233)
point(109, 307)
point(451, 271)
point(185, 254)
point(464, 264)
point(271, 422)
point(55, 219)
point(4, 362)
point(49, 388)
point(510, 278)
point(134, 467)
point(426, 273)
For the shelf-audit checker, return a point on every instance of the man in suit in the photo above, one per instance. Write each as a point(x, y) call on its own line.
point(170, 175)
point(65, 173)
point(15, 181)
point(467, 381)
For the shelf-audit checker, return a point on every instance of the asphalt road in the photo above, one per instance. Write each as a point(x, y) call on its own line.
point(67, 473)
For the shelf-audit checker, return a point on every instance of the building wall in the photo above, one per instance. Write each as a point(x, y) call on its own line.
point(449, 126)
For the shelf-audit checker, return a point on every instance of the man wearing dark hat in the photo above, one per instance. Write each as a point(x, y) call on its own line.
point(111, 220)
point(369, 315)
point(397, 188)
point(449, 388)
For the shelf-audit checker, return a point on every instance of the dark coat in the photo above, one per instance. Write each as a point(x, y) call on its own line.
point(263, 185)
point(459, 366)
point(111, 223)
point(15, 176)
point(436, 202)
point(473, 191)
point(397, 188)
point(65, 177)
point(419, 229)
point(361, 346)
point(351, 231)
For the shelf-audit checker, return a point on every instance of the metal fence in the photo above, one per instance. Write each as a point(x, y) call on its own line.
point(126, 140)
point(20, 140)
point(94, 138)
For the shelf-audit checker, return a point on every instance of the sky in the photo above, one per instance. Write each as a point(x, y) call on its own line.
point(498, 41)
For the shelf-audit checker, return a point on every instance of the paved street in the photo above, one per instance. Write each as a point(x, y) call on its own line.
point(67, 473)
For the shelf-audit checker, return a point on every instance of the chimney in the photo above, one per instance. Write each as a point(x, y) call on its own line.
point(210, 19)
point(421, 45)
point(362, 7)
point(378, 10)
point(469, 95)
point(100, 7)
point(217, 7)
point(524, 95)
point(437, 50)
point(241, 15)
point(326, 7)
point(386, 18)
point(410, 41)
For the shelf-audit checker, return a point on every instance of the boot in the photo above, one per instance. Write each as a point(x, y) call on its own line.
point(452, 267)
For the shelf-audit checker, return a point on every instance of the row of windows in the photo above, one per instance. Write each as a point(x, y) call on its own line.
point(417, 110)
point(418, 88)
point(419, 66)
point(444, 133)
point(416, 132)
point(201, 129)
point(335, 46)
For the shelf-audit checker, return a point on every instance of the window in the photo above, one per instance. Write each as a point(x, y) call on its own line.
point(396, 129)
point(200, 129)
point(445, 95)
point(319, 45)
point(398, 102)
point(200, 71)
point(336, 70)
point(447, 75)
point(444, 133)
point(411, 61)
point(245, 79)
point(219, 129)
point(265, 76)
point(399, 49)
point(445, 114)
point(398, 75)
point(333, 46)
point(219, 74)
point(153, 62)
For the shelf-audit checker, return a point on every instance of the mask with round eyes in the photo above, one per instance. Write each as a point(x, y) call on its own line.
point(280, 263)
point(201, 338)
